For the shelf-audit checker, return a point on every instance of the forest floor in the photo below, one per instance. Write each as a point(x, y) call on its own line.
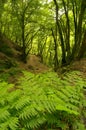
point(33, 64)
point(79, 65)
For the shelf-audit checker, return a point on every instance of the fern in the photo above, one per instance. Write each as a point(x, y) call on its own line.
point(42, 101)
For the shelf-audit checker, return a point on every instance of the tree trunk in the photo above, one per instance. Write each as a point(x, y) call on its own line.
point(24, 56)
point(83, 47)
point(79, 33)
point(67, 31)
point(55, 49)
point(60, 35)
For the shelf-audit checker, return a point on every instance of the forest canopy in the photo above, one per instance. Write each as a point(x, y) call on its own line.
point(53, 29)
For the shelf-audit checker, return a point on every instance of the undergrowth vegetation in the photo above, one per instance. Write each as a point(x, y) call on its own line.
point(43, 102)
point(4, 48)
point(5, 75)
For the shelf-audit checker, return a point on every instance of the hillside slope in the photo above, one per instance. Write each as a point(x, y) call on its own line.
point(10, 57)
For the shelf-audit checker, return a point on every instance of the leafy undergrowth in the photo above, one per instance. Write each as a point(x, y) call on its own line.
point(43, 102)
point(10, 75)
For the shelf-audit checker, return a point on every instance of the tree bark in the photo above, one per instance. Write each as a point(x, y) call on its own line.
point(79, 33)
point(83, 47)
point(67, 30)
point(60, 35)
point(56, 53)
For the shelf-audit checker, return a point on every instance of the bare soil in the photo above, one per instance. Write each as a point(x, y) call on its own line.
point(79, 65)
point(33, 65)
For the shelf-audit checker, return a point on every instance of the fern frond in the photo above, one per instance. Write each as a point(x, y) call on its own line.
point(4, 114)
point(43, 101)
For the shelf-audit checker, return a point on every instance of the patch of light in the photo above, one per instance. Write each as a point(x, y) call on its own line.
point(48, 1)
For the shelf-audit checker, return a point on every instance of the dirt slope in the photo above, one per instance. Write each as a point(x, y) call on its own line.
point(33, 65)
point(79, 65)
point(10, 54)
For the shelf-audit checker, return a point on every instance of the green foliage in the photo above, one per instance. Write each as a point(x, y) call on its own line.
point(4, 48)
point(7, 63)
point(6, 74)
point(42, 101)
point(30, 24)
